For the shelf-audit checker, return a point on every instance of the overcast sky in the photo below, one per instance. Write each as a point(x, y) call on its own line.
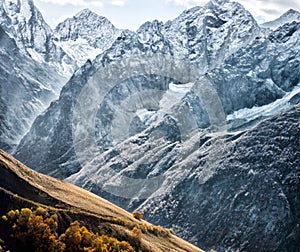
point(131, 14)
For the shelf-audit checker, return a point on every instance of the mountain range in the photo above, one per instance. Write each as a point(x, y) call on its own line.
point(42, 60)
point(194, 122)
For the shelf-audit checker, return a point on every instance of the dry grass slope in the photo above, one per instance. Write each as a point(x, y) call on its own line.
point(22, 187)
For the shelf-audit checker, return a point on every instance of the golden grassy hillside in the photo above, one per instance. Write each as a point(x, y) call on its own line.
point(21, 187)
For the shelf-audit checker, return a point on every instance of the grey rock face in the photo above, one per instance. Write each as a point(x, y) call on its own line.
point(250, 202)
point(85, 36)
point(26, 89)
point(33, 69)
point(50, 129)
point(152, 38)
point(246, 78)
point(260, 72)
point(232, 192)
point(23, 21)
point(35, 66)
point(97, 30)
point(206, 35)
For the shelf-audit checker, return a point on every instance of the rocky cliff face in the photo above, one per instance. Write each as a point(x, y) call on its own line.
point(230, 191)
point(250, 199)
point(210, 33)
point(37, 62)
point(151, 39)
point(27, 88)
point(33, 69)
point(85, 35)
point(48, 138)
point(23, 21)
point(251, 76)
point(143, 171)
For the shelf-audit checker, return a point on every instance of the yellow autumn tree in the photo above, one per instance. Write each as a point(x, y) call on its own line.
point(79, 238)
point(37, 231)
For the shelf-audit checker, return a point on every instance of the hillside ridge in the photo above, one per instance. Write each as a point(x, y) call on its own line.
point(21, 184)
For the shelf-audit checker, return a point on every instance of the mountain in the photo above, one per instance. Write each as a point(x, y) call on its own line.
point(27, 88)
point(22, 187)
point(73, 42)
point(33, 69)
point(144, 170)
point(234, 191)
point(85, 35)
point(24, 22)
point(150, 39)
point(288, 17)
point(37, 62)
point(208, 34)
point(169, 120)
point(257, 70)
point(246, 199)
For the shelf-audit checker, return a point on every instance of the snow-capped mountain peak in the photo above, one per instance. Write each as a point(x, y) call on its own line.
point(85, 35)
point(85, 12)
point(86, 24)
point(15, 17)
point(217, 2)
point(221, 27)
point(24, 22)
point(151, 34)
point(291, 12)
point(154, 25)
point(89, 17)
point(288, 17)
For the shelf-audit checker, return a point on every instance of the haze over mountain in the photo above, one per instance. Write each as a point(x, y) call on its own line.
point(288, 17)
point(151, 39)
point(194, 122)
point(41, 61)
point(27, 88)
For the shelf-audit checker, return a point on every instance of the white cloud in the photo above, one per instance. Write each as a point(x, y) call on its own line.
point(95, 3)
point(269, 10)
point(117, 2)
point(86, 3)
point(188, 3)
point(62, 18)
